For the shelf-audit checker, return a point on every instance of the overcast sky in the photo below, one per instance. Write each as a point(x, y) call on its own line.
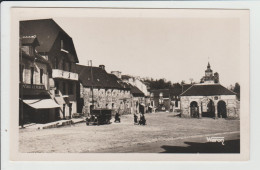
point(174, 49)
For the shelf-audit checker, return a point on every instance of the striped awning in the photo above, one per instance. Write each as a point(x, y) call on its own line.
point(41, 103)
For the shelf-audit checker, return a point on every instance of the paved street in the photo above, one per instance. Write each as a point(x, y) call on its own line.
point(164, 132)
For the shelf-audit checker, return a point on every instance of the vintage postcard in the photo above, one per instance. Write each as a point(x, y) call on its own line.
point(157, 84)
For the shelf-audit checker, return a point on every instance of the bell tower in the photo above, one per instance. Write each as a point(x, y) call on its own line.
point(208, 72)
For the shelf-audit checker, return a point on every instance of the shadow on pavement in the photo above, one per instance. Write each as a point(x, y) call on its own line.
point(231, 146)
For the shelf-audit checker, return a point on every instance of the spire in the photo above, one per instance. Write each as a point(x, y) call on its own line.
point(208, 65)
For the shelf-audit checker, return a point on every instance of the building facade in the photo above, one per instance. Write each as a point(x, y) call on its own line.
point(36, 104)
point(57, 47)
point(99, 89)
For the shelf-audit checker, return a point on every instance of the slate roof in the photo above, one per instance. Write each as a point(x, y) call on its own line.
point(175, 91)
point(47, 31)
point(207, 90)
point(101, 79)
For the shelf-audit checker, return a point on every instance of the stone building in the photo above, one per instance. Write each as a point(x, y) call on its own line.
point(161, 99)
point(138, 99)
point(108, 92)
point(168, 99)
point(209, 99)
point(36, 104)
point(57, 47)
point(140, 93)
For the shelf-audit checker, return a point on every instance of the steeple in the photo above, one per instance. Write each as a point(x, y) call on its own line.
point(209, 77)
point(208, 65)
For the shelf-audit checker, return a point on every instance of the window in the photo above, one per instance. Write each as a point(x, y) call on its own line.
point(71, 89)
point(21, 72)
point(32, 74)
point(57, 87)
point(61, 44)
point(176, 103)
point(41, 76)
point(56, 63)
point(64, 88)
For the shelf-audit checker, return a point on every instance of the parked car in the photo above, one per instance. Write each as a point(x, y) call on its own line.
point(160, 108)
point(99, 117)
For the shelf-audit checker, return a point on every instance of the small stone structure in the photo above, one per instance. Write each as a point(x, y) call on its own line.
point(209, 100)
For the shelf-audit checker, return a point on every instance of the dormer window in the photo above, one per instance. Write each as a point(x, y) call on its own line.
point(28, 44)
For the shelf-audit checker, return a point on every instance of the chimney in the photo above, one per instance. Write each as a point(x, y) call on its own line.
point(102, 67)
point(117, 73)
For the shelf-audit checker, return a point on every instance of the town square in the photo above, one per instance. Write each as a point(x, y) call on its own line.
point(77, 93)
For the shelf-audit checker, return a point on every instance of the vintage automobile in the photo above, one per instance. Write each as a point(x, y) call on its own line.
point(99, 117)
point(161, 108)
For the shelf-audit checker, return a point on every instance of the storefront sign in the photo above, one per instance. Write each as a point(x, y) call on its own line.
point(33, 86)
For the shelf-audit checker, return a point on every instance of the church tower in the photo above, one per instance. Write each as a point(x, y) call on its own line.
point(208, 72)
point(209, 78)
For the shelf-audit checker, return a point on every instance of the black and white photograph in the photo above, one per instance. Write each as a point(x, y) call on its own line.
point(153, 81)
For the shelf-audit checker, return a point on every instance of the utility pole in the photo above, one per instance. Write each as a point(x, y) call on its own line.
point(91, 72)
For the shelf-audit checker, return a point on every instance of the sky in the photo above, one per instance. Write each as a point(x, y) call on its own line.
point(172, 48)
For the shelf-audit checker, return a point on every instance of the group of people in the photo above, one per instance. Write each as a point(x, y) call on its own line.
point(142, 120)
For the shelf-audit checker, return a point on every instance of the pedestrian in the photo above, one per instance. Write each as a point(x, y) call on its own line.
point(142, 120)
point(135, 119)
point(117, 117)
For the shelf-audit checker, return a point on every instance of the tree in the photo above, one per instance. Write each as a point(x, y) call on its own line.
point(237, 90)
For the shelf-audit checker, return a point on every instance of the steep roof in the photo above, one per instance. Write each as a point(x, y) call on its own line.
point(47, 31)
point(136, 91)
point(101, 79)
point(207, 90)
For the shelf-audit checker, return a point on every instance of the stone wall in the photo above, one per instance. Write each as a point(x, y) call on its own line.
point(116, 99)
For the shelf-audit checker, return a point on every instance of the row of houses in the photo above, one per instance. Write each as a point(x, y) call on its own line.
point(54, 86)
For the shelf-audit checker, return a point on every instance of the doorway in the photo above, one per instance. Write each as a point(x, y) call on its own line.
point(70, 110)
point(63, 111)
point(194, 111)
point(210, 109)
point(222, 109)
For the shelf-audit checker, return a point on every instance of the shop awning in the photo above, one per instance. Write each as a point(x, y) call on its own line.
point(41, 103)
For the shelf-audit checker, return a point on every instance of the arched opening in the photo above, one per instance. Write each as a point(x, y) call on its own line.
point(194, 110)
point(210, 109)
point(222, 109)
